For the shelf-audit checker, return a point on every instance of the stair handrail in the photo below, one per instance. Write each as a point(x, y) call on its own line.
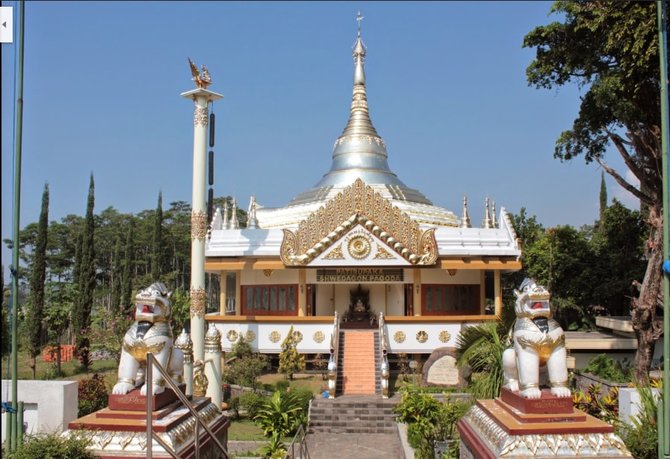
point(332, 361)
point(299, 441)
point(151, 362)
point(383, 357)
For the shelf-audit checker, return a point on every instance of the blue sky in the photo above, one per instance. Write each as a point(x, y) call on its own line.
point(446, 88)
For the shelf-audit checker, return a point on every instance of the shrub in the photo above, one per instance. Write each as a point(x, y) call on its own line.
point(282, 385)
point(252, 402)
point(607, 368)
point(281, 415)
point(93, 394)
point(481, 347)
point(244, 371)
point(52, 446)
point(234, 406)
point(430, 421)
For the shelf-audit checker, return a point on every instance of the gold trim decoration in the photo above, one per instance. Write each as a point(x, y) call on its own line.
point(274, 336)
point(267, 272)
point(359, 247)
point(422, 336)
point(399, 336)
point(383, 254)
point(201, 116)
point(297, 336)
point(444, 336)
point(198, 225)
point(335, 254)
point(250, 336)
point(354, 205)
point(198, 297)
point(232, 336)
point(319, 336)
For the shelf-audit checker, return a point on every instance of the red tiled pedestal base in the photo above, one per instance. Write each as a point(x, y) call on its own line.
point(121, 433)
point(514, 427)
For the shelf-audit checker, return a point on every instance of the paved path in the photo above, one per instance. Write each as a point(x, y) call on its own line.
point(359, 446)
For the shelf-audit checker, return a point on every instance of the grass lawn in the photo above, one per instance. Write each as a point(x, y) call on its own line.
point(313, 382)
point(245, 429)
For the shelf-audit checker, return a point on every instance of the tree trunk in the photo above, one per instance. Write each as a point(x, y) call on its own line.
point(58, 358)
point(643, 313)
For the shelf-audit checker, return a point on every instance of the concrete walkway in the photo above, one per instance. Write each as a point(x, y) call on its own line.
point(360, 446)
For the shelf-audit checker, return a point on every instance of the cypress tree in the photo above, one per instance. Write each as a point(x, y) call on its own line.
point(37, 279)
point(82, 317)
point(128, 264)
point(76, 269)
point(156, 246)
point(117, 269)
point(603, 195)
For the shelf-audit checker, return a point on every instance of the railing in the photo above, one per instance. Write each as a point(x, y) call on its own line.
point(383, 357)
point(332, 362)
point(151, 361)
point(298, 443)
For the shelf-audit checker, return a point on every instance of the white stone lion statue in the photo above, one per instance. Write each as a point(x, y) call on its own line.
point(151, 332)
point(538, 343)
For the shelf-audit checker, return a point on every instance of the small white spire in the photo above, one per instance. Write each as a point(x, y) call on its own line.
point(465, 221)
point(217, 220)
point(225, 224)
point(252, 221)
point(234, 223)
point(494, 219)
point(487, 214)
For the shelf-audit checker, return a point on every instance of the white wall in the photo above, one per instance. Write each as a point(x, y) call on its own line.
point(49, 405)
point(279, 276)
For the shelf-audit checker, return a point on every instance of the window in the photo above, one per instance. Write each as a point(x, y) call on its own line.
point(450, 300)
point(264, 300)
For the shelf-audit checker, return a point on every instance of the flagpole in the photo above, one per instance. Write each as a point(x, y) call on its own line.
point(14, 270)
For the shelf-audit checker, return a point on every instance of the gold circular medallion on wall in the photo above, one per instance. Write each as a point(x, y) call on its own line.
point(399, 336)
point(232, 336)
point(421, 336)
point(275, 336)
point(297, 336)
point(319, 336)
point(359, 247)
point(445, 336)
point(250, 336)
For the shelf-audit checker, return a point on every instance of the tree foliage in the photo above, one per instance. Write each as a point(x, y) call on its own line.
point(290, 360)
point(37, 280)
point(610, 49)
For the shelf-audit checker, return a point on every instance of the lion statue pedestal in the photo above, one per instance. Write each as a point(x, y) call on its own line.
point(527, 420)
point(119, 430)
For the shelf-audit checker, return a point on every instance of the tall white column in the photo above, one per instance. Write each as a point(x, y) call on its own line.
point(201, 98)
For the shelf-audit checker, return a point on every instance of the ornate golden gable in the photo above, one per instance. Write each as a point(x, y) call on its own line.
point(358, 204)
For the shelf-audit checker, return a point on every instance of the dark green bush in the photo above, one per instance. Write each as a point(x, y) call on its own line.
point(93, 394)
point(282, 385)
point(607, 368)
point(52, 446)
point(252, 402)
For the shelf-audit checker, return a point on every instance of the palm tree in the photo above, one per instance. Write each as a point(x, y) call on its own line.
point(481, 348)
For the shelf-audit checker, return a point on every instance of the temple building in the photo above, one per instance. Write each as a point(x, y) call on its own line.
point(358, 250)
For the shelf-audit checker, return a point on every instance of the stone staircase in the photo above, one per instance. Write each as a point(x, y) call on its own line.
point(358, 363)
point(353, 414)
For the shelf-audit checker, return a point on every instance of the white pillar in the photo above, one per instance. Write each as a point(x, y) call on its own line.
point(201, 98)
point(213, 364)
point(184, 343)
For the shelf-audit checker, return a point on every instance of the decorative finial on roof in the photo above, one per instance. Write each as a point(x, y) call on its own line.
point(487, 214)
point(217, 220)
point(226, 223)
point(465, 221)
point(234, 223)
point(359, 19)
point(252, 221)
point(494, 220)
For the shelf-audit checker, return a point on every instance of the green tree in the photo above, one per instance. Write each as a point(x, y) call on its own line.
point(38, 273)
point(127, 270)
point(610, 48)
point(87, 283)
point(157, 242)
point(117, 269)
point(290, 360)
point(57, 315)
point(603, 195)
